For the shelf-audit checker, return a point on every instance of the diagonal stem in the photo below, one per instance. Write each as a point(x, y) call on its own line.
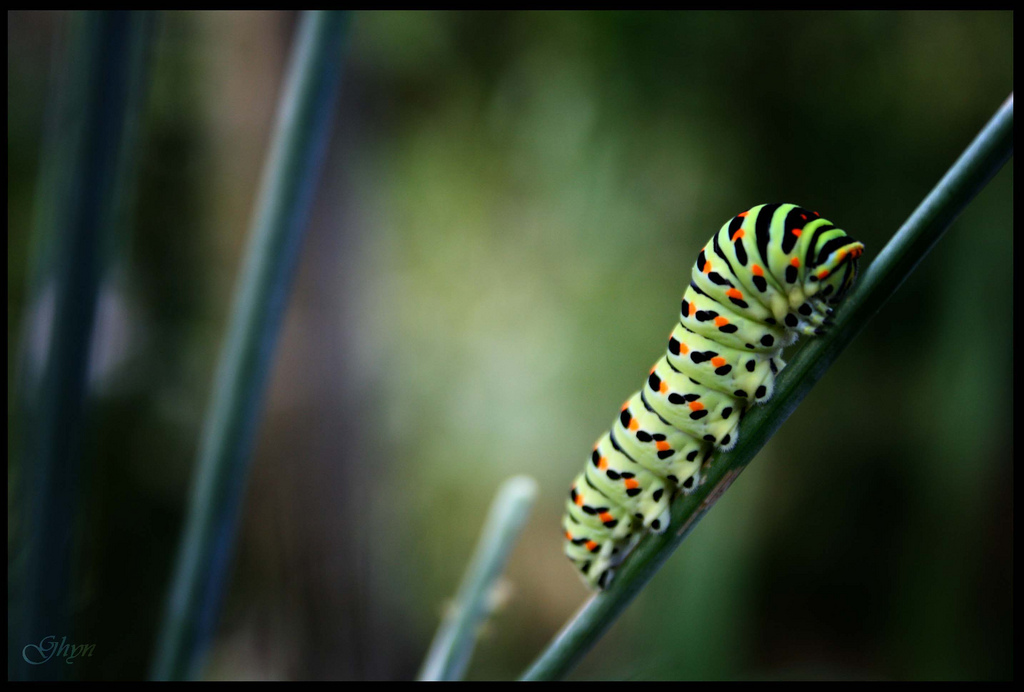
point(290, 178)
point(985, 156)
point(453, 644)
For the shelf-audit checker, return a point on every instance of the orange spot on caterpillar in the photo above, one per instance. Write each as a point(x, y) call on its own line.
point(568, 536)
point(796, 232)
point(683, 348)
point(579, 500)
point(735, 293)
point(718, 361)
point(757, 270)
point(633, 425)
point(707, 267)
point(605, 516)
point(795, 262)
point(738, 234)
point(693, 309)
point(696, 406)
point(631, 483)
point(662, 387)
point(602, 463)
point(823, 273)
point(626, 405)
point(591, 545)
point(662, 445)
point(743, 214)
point(721, 321)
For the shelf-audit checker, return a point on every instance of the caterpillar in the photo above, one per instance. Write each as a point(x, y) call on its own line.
point(770, 274)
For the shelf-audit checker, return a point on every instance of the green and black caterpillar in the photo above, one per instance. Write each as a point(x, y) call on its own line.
point(770, 274)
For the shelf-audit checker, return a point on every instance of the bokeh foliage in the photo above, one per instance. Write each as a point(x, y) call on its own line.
point(514, 201)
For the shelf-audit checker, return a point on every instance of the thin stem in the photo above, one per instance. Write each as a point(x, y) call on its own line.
point(290, 178)
point(992, 148)
point(453, 644)
point(95, 103)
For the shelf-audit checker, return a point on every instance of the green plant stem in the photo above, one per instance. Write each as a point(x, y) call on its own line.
point(94, 107)
point(292, 170)
point(453, 644)
point(985, 156)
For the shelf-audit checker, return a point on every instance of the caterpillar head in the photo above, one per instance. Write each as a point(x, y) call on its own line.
point(835, 268)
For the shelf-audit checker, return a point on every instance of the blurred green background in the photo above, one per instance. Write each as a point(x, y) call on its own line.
point(508, 216)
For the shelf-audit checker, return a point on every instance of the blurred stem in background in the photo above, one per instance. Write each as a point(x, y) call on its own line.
point(88, 154)
point(300, 140)
point(452, 648)
point(979, 163)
